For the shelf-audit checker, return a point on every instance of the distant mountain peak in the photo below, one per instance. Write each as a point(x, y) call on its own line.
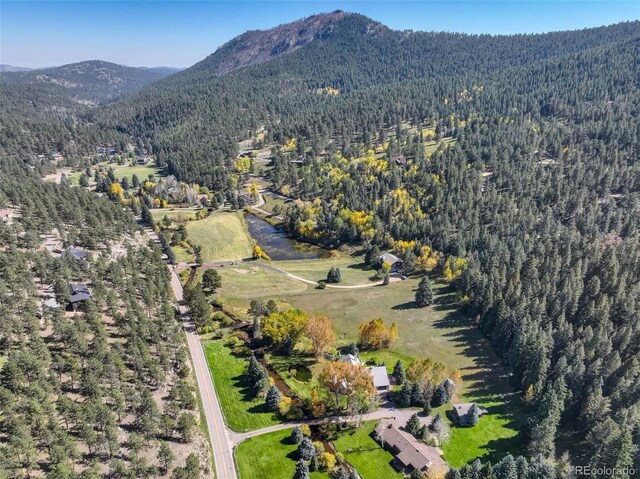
point(259, 46)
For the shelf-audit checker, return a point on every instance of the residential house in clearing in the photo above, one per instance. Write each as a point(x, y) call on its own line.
point(79, 295)
point(397, 265)
point(399, 160)
point(78, 254)
point(380, 378)
point(410, 454)
point(460, 413)
point(143, 160)
point(379, 375)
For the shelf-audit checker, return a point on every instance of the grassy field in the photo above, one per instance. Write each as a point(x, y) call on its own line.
point(353, 270)
point(270, 202)
point(439, 332)
point(365, 454)
point(221, 237)
point(173, 214)
point(120, 171)
point(241, 412)
point(269, 456)
point(432, 146)
point(248, 281)
point(493, 437)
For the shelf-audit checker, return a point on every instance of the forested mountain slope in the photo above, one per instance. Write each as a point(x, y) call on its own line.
point(91, 81)
point(193, 119)
point(42, 109)
point(533, 200)
point(539, 188)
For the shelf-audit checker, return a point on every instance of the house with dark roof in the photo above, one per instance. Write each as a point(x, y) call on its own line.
point(410, 454)
point(397, 265)
point(75, 253)
point(460, 413)
point(79, 294)
point(399, 160)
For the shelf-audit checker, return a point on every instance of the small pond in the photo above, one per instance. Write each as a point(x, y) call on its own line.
point(301, 373)
point(277, 243)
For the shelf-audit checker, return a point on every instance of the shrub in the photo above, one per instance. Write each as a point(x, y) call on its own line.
point(321, 285)
point(328, 461)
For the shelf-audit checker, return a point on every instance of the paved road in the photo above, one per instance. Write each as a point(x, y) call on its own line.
point(220, 442)
point(218, 432)
point(381, 413)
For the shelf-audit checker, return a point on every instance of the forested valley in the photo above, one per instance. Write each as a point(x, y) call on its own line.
point(514, 160)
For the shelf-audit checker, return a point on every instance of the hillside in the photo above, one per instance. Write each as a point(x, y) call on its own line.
point(91, 81)
point(42, 110)
point(519, 166)
point(198, 113)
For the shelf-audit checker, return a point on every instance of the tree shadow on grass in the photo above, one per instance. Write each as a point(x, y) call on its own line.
point(243, 385)
point(404, 306)
point(293, 455)
point(359, 266)
point(488, 379)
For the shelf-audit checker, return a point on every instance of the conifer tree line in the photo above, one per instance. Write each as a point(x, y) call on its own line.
point(533, 180)
point(106, 391)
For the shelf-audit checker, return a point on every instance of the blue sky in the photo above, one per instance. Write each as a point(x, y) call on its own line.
point(180, 33)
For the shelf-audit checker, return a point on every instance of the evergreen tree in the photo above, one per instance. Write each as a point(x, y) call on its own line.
point(211, 280)
point(439, 396)
point(424, 293)
point(398, 373)
point(473, 414)
point(306, 449)
point(273, 398)
point(302, 470)
point(334, 275)
point(413, 425)
point(404, 395)
point(296, 435)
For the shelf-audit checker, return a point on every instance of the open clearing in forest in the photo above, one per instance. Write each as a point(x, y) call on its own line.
point(120, 171)
point(174, 214)
point(221, 237)
point(438, 332)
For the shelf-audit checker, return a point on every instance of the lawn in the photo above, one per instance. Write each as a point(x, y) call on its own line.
point(494, 436)
point(386, 356)
point(141, 171)
point(438, 332)
point(241, 412)
point(120, 171)
point(221, 237)
point(174, 214)
point(365, 454)
point(269, 456)
point(352, 269)
point(183, 255)
point(248, 281)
